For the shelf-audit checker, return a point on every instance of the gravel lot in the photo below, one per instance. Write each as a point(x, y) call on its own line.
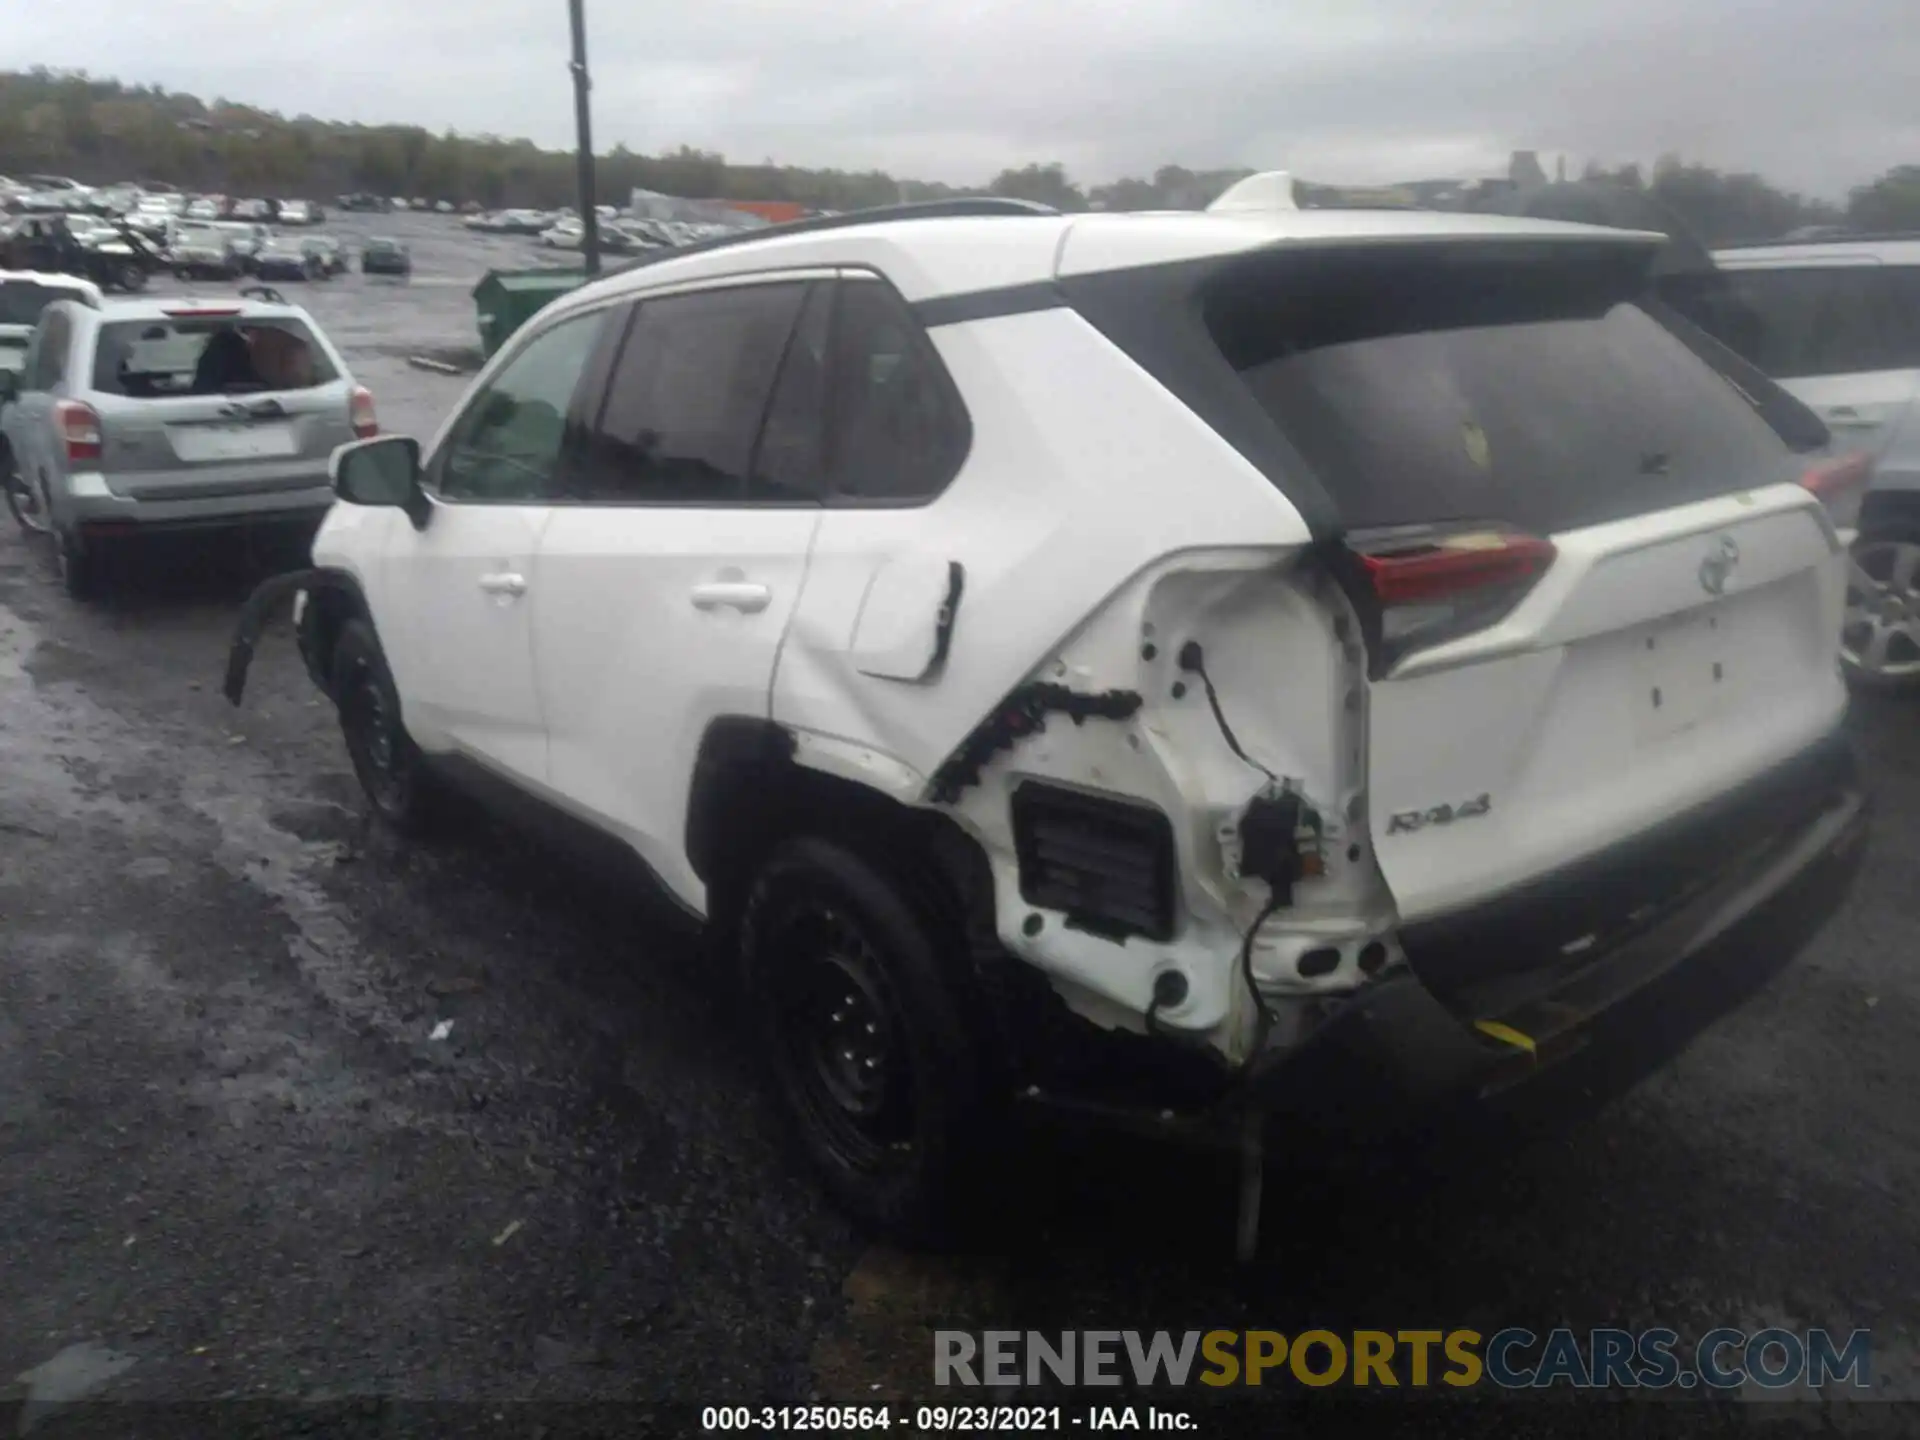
point(230, 1152)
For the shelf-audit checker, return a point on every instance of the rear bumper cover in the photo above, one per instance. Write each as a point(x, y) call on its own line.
point(1420, 1050)
point(90, 505)
point(1413, 1041)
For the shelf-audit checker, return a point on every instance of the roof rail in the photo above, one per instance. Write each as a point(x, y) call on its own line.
point(1864, 237)
point(964, 208)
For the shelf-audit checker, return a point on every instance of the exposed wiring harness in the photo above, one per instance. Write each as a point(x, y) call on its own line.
point(1269, 850)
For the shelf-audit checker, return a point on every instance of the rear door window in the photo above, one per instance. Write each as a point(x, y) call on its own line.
point(1838, 320)
point(1421, 390)
point(687, 397)
point(898, 431)
point(160, 359)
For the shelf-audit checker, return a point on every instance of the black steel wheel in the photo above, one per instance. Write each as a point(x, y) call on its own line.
point(865, 1025)
point(384, 756)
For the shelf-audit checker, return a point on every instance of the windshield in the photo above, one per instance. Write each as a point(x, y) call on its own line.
point(150, 359)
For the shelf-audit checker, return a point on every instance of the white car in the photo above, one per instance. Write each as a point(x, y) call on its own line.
point(1837, 323)
point(1126, 662)
point(567, 233)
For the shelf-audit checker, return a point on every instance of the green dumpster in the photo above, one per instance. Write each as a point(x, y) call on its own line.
point(506, 299)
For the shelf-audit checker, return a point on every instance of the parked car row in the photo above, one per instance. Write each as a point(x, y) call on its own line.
point(620, 233)
point(227, 250)
point(147, 205)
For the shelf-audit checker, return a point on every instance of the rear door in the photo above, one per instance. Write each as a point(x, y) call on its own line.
point(1843, 335)
point(188, 411)
point(667, 579)
point(1595, 596)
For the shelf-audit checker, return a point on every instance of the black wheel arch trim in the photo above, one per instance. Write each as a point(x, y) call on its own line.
point(266, 597)
point(736, 752)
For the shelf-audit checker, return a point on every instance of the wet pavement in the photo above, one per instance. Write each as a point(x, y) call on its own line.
point(236, 1162)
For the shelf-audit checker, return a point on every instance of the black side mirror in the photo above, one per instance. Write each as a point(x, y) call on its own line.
point(382, 471)
point(9, 386)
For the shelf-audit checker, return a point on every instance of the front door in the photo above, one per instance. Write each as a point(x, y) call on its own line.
point(461, 587)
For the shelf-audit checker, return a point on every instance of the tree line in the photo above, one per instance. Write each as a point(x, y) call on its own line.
point(102, 131)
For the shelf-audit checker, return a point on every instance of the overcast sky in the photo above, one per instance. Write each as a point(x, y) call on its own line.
point(1817, 95)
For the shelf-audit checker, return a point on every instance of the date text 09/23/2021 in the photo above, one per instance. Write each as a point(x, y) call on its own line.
point(941, 1419)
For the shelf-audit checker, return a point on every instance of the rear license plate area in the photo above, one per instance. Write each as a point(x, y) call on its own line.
point(233, 442)
point(1680, 672)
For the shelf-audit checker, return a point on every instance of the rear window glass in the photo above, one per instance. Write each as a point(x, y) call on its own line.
point(157, 358)
point(1425, 389)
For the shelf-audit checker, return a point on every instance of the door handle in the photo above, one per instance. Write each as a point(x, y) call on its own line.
point(504, 582)
point(741, 595)
point(1844, 415)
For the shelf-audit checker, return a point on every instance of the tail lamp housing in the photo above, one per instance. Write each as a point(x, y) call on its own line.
point(1420, 586)
point(1840, 485)
point(79, 427)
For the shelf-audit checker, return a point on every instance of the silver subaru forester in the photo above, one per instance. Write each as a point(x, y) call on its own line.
point(172, 413)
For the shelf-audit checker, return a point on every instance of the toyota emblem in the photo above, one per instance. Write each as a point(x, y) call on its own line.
point(1719, 566)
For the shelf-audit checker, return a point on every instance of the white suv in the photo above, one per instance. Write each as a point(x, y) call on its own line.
point(1837, 323)
point(1120, 661)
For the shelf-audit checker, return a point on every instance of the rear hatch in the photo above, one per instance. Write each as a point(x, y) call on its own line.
point(210, 401)
point(1596, 595)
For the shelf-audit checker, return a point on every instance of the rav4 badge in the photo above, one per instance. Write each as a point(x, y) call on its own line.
point(1409, 820)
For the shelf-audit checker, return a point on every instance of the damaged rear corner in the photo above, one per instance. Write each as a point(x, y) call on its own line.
point(1173, 808)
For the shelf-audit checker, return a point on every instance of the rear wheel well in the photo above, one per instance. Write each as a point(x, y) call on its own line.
point(749, 794)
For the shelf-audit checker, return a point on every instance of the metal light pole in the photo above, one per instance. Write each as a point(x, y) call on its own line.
point(583, 124)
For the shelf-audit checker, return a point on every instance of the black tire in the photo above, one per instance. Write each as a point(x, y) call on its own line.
point(387, 762)
point(864, 1021)
point(28, 513)
point(131, 278)
point(82, 568)
point(1882, 540)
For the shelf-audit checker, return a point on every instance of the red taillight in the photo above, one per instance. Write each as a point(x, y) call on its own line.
point(366, 424)
point(1419, 571)
point(1841, 486)
point(1431, 585)
point(80, 427)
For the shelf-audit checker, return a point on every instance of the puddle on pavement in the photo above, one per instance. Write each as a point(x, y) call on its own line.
point(73, 1374)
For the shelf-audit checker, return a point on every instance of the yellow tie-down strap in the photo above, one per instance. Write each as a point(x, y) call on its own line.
point(1507, 1035)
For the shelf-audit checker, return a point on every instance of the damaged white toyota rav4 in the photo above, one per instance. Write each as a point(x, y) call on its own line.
point(1112, 660)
